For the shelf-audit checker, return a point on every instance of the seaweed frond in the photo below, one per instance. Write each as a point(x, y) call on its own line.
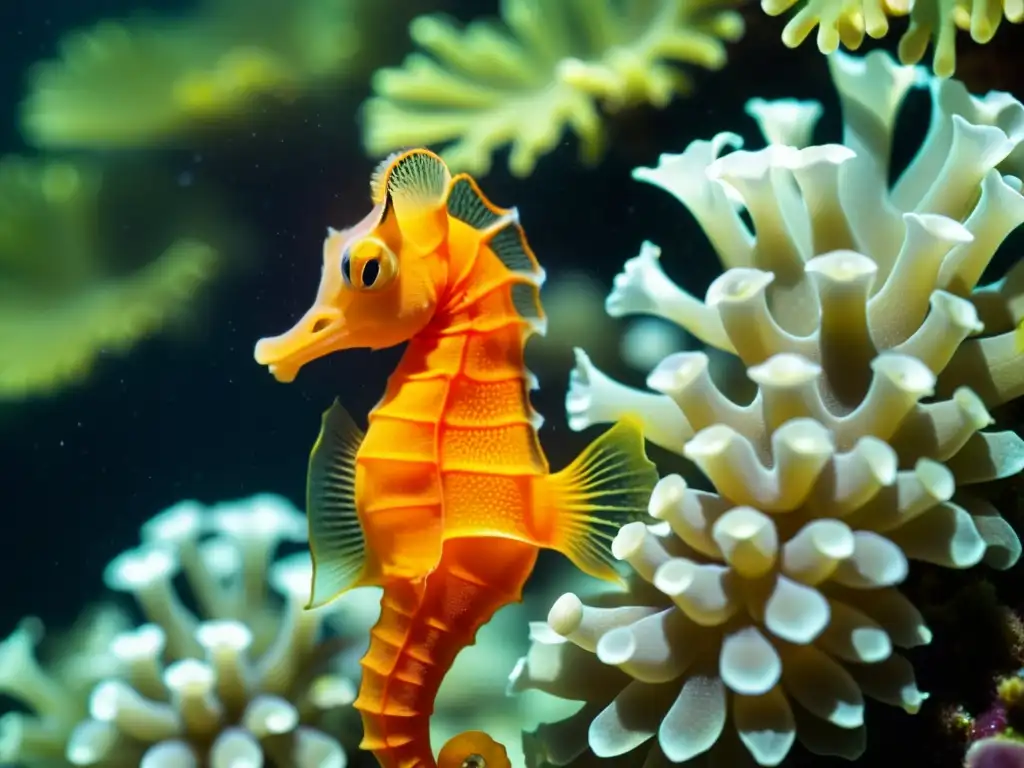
point(545, 69)
point(61, 308)
point(46, 344)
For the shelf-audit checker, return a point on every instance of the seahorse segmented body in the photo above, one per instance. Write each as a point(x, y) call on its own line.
point(447, 499)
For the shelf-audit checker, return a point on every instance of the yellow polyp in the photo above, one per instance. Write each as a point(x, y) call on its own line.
point(961, 17)
point(932, 22)
point(1010, 690)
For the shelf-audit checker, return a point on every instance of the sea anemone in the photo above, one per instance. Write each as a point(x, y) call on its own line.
point(247, 675)
point(764, 611)
point(846, 21)
point(524, 82)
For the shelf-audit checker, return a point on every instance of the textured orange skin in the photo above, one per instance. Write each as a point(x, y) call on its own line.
point(449, 468)
point(421, 629)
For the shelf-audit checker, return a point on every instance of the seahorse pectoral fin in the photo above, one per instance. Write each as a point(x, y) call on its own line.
point(608, 485)
point(336, 539)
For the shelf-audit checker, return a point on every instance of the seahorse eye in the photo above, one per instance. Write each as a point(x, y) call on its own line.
point(373, 265)
point(474, 761)
point(346, 268)
point(371, 270)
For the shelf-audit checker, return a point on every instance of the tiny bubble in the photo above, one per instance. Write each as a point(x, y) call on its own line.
point(185, 179)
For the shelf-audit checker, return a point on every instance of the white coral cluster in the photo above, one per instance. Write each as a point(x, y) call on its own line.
point(764, 612)
point(244, 679)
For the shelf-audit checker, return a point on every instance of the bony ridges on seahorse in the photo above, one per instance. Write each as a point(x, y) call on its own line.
point(447, 498)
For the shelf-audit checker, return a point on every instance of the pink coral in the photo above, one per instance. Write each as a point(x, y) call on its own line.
point(995, 753)
point(990, 723)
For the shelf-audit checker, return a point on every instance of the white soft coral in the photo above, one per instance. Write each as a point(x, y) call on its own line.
point(247, 676)
point(765, 611)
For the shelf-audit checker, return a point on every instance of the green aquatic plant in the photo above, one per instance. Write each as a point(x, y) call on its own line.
point(61, 304)
point(246, 675)
point(547, 68)
point(145, 82)
point(765, 611)
point(931, 22)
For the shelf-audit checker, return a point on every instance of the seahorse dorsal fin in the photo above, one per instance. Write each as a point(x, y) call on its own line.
point(379, 177)
point(336, 539)
point(468, 204)
point(499, 227)
point(500, 231)
point(415, 185)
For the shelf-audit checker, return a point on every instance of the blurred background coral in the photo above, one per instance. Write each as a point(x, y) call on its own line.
point(169, 169)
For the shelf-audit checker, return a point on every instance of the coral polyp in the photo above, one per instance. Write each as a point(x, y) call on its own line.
point(932, 22)
point(248, 677)
point(149, 81)
point(63, 305)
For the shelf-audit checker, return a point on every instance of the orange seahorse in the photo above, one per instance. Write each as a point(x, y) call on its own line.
point(447, 498)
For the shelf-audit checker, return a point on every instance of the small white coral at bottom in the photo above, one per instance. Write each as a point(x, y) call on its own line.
point(249, 681)
point(771, 616)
